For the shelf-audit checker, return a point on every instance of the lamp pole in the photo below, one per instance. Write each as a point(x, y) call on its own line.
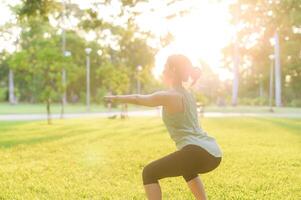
point(139, 68)
point(88, 51)
point(260, 85)
point(11, 86)
point(271, 57)
point(236, 59)
point(64, 96)
point(278, 101)
point(64, 83)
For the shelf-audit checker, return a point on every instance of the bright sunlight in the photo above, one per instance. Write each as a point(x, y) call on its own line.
point(199, 34)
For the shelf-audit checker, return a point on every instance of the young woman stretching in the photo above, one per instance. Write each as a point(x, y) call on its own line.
point(196, 151)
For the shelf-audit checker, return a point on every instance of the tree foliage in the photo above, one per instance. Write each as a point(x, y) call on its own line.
point(256, 23)
point(116, 52)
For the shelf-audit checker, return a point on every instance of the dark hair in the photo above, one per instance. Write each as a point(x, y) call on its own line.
point(176, 61)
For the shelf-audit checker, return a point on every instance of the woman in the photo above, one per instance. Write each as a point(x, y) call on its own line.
point(196, 151)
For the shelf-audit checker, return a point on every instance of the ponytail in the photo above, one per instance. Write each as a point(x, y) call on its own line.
point(195, 74)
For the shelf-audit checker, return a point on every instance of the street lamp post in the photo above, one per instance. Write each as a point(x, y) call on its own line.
point(260, 85)
point(277, 71)
point(271, 57)
point(64, 83)
point(236, 58)
point(11, 87)
point(139, 69)
point(88, 51)
point(64, 96)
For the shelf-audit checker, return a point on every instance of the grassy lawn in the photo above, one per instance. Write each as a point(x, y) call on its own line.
point(23, 108)
point(103, 159)
point(252, 109)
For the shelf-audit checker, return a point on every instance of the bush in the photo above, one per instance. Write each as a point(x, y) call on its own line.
point(260, 102)
point(100, 93)
point(3, 94)
point(201, 98)
point(295, 103)
point(254, 101)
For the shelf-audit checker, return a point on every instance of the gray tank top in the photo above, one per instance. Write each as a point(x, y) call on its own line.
point(184, 127)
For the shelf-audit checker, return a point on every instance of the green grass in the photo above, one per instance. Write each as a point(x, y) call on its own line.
point(252, 109)
point(103, 159)
point(24, 108)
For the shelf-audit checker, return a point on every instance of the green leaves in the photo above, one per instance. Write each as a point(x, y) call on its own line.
point(39, 62)
point(114, 78)
point(260, 19)
point(38, 8)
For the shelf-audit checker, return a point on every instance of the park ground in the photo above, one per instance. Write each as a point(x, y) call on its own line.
point(100, 158)
point(26, 108)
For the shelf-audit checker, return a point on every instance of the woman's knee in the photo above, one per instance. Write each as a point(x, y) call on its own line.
point(189, 177)
point(149, 175)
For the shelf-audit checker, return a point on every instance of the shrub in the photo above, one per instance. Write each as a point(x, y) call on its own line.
point(295, 103)
point(3, 94)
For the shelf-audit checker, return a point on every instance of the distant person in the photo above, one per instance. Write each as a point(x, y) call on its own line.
point(221, 102)
point(197, 152)
point(109, 106)
point(124, 111)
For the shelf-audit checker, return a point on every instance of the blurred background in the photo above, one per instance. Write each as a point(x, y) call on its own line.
point(58, 58)
point(66, 55)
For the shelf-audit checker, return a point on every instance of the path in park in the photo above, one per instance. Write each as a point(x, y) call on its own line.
point(155, 112)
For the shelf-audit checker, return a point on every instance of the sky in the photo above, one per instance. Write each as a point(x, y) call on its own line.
point(200, 34)
point(5, 16)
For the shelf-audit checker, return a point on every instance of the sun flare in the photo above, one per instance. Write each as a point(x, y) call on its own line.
point(200, 35)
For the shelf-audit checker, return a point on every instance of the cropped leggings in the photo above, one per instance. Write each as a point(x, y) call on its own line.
point(188, 162)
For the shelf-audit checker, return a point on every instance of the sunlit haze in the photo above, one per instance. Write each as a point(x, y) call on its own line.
point(200, 34)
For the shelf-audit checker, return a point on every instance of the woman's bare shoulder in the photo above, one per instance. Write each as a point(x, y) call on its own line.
point(169, 92)
point(172, 100)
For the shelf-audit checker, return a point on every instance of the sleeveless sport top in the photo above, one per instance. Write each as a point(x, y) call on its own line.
point(184, 127)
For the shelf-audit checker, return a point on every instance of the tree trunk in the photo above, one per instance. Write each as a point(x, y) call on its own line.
point(11, 88)
point(235, 74)
point(48, 111)
point(62, 108)
point(277, 72)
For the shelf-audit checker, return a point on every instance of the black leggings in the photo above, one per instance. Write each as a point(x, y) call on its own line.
point(188, 162)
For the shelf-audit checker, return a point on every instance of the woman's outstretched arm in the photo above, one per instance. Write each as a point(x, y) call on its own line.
point(159, 98)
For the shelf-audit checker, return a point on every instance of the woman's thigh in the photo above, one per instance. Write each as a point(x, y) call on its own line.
point(187, 162)
point(178, 163)
point(200, 160)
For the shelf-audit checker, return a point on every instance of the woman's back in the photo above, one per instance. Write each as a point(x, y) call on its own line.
point(184, 127)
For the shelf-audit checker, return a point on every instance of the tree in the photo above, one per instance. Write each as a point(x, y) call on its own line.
point(127, 47)
point(114, 79)
point(119, 48)
point(257, 24)
point(8, 33)
point(4, 69)
point(40, 61)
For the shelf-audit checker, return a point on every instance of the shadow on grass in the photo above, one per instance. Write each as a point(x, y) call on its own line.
point(292, 125)
point(12, 143)
point(6, 126)
point(34, 139)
